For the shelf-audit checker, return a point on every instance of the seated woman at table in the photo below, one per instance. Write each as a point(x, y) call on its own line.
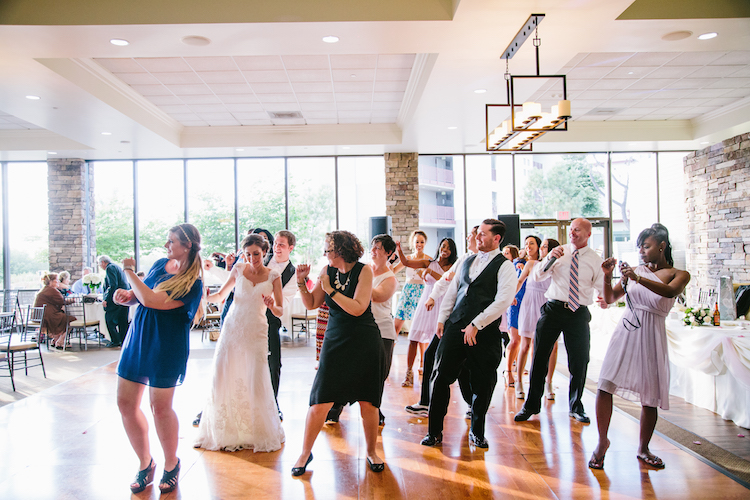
point(55, 321)
point(636, 366)
point(64, 284)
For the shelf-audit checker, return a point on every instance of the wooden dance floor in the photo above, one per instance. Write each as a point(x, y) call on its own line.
point(68, 442)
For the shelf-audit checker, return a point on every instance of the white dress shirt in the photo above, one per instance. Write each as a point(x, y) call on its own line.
point(590, 275)
point(288, 291)
point(506, 289)
point(439, 289)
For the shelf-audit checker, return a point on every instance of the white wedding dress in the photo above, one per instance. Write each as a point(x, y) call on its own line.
point(241, 411)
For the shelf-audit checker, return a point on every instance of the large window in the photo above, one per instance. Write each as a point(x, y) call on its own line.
point(28, 223)
point(672, 207)
point(113, 212)
point(260, 194)
point(441, 200)
point(211, 203)
point(161, 205)
point(489, 179)
point(361, 194)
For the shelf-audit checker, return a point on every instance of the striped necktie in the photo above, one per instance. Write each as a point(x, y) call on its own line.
point(573, 300)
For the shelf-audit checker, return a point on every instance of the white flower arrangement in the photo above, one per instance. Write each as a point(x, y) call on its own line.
point(697, 316)
point(92, 281)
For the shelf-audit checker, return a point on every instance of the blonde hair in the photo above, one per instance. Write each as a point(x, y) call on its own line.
point(63, 276)
point(47, 277)
point(181, 283)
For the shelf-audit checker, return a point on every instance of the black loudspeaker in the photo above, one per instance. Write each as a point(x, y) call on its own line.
point(512, 229)
point(380, 225)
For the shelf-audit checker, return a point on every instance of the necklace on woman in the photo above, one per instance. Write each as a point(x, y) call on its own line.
point(337, 282)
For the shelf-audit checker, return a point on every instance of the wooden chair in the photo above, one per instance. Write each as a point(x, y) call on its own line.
point(28, 341)
point(79, 327)
point(7, 320)
point(302, 321)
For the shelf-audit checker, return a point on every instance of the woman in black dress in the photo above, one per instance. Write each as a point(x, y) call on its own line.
point(352, 360)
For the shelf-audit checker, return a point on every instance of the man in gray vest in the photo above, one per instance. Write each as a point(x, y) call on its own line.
point(468, 321)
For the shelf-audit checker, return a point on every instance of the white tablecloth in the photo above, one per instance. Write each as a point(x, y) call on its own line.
point(95, 311)
point(710, 366)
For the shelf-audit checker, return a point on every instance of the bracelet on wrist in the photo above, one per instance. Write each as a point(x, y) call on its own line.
point(638, 279)
point(129, 268)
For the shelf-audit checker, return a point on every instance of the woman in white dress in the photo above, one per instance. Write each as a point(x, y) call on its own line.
point(636, 366)
point(241, 411)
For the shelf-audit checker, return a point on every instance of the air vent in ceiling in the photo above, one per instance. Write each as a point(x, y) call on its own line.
point(285, 115)
point(604, 111)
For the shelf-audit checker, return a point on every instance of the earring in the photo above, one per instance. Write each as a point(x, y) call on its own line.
point(661, 249)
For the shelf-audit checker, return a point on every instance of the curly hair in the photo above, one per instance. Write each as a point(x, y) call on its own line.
point(346, 244)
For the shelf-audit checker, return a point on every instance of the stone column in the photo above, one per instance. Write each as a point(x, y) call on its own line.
point(66, 191)
point(718, 209)
point(402, 194)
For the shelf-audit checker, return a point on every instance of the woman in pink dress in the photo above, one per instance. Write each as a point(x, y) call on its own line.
point(636, 366)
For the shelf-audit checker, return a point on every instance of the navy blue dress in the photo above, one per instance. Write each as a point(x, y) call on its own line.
point(156, 348)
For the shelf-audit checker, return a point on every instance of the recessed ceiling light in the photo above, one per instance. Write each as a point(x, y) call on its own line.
point(330, 39)
point(119, 42)
point(197, 41)
point(51, 152)
point(631, 72)
point(708, 36)
point(106, 133)
point(480, 91)
point(452, 128)
point(677, 35)
point(239, 149)
point(353, 75)
point(33, 97)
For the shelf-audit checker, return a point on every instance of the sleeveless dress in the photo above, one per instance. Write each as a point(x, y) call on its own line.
point(424, 322)
point(530, 311)
point(636, 366)
point(241, 411)
point(513, 310)
point(352, 361)
point(156, 347)
point(410, 295)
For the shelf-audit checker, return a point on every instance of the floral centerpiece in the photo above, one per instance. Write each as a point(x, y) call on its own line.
point(697, 316)
point(92, 281)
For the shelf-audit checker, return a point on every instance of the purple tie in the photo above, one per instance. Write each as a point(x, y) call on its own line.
point(573, 300)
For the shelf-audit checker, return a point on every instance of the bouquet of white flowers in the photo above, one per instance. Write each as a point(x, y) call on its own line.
point(697, 316)
point(92, 281)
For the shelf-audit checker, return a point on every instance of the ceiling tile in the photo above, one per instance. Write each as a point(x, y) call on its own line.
point(318, 106)
point(354, 119)
point(390, 86)
point(315, 97)
point(387, 96)
point(221, 76)
point(729, 83)
point(319, 114)
point(382, 119)
point(396, 60)
point(653, 102)
point(672, 72)
point(178, 108)
point(651, 83)
point(10, 126)
point(184, 116)
point(353, 86)
point(281, 106)
point(722, 101)
point(360, 75)
point(633, 95)
point(708, 93)
point(214, 63)
point(695, 58)
point(385, 113)
point(574, 84)
point(692, 83)
point(149, 90)
point(137, 78)
point(351, 106)
point(355, 97)
point(237, 98)
point(322, 121)
point(180, 78)
point(692, 101)
point(650, 58)
point(295, 121)
point(121, 65)
point(312, 87)
point(611, 59)
point(632, 72)
point(223, 123)
point(200, 99)
point(272, 88)
point(243, 107)
point(611, 84)
point(346, 61)
point(672, 94)
point(661, 115)
point(189, 89)
point(737, 57)
point(258, 63)
point(714, 71)
point(687, 115)
point(306, 62)
point(230, 88)
point(598, 94)
point(698, 109)
point(317, 75)
point(254, 115)
point(590, 118)
point(194, 123)
point(741, 72)
point(589, 73)
point(160, 100)
point(266, 76)
point(267, 121)
point(216, 116)
point(743, 92)
point(393, 74)
point(208, 108)
point(164, 64)
point(386, 105)
point(276, 97)
point(581, 104)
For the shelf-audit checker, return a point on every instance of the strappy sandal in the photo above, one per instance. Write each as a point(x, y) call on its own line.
point(408, 380)
point(143, 478)
point(169, 480)
point(653, 461)
point(596, 463)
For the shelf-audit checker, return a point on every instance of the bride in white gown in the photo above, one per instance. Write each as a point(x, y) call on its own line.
point(241, 411)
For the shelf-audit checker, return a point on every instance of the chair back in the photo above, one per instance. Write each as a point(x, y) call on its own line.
point(75, 308)
point(33, 324)
point(7, 323)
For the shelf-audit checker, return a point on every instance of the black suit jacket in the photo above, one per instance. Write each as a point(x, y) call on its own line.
point(114, 279)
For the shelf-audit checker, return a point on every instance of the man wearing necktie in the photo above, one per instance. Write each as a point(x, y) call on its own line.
point(483, 288)
point(576, 272)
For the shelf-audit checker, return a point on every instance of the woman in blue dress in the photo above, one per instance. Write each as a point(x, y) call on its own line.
point(155, 350)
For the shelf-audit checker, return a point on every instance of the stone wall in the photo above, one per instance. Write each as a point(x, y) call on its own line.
point(66, 185)
point(717, 185)
point(402, 194)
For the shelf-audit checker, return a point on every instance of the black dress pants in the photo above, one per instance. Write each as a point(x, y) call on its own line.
point(557, 318)
point(116, 318)
point(429, 361)
point(481, 360)
point(274, 353)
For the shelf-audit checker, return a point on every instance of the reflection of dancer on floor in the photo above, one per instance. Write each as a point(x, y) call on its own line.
point(410, 295)
point(636, 366)
point(241, 411)
point(529, 314)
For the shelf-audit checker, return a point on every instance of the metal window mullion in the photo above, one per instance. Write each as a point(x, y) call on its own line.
point(6, 228)
point(236, 209)
point(286, 193)
point(336, 187)
point(136, 218)
point(185, 190)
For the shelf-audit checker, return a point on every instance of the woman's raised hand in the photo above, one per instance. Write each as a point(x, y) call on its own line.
point(608, 266)
point(303, 271)
point(128, 261)
point(229, 259)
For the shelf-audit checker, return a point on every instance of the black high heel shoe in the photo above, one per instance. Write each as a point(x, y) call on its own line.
point(298, 471)
point(143, 478)
point(169, 480)
point(375, 467)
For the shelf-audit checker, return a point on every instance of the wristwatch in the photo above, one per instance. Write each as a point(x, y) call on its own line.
point(334, 292)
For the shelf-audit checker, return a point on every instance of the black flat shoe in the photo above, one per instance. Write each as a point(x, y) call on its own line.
point(524, 415)
point(477, 441)
point(429, 440)
point(298, 471)
point(375, 467)
point(143, 478)
point(169, 480)
point(580, 416)
point(197, 420)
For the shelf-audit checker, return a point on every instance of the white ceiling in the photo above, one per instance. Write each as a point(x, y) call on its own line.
point(412, 87)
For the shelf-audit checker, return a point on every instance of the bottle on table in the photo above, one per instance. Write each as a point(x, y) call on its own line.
point(717, 315)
